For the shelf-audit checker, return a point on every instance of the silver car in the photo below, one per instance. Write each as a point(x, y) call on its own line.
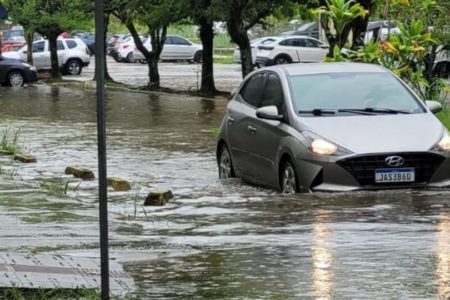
point(332, 127)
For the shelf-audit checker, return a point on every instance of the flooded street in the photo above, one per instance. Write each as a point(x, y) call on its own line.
point(216, 239)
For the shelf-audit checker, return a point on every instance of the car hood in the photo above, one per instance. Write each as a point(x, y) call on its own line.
point(11, 56)
point(379, 133)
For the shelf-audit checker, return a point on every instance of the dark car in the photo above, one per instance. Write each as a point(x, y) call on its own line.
point(15, 72)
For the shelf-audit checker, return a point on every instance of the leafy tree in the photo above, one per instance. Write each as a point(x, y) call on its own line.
point(157, 15)
point(49, 18)
point(242, 15)
point(336, 18)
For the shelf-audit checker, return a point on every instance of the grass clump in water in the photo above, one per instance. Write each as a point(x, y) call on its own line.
point(59, 186)
point(9, 140)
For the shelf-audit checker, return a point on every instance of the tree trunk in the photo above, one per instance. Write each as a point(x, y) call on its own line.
point(52, 40)
point(207, 38)
point(238, 34)
point(29, 40)
point(158, 36)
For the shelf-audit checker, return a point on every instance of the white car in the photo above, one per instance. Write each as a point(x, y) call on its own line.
point(125, 50)
point(254, 47)
point(291, 49)
point(73, 55)
point(175, 48)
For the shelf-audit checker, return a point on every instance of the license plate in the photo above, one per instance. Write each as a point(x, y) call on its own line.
point(394, 175)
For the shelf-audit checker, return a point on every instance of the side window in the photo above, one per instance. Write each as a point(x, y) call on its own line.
point(252, 90)
point(299, 43)
point(168, 40)
point(38, 47)
point(59, 45)
point(312, 44)
point(71, 44)
point(273, 93)
point(179, 41)
point(286, 42)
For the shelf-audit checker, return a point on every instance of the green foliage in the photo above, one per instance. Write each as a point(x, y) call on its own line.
point(9, 140)
point(337, 55)
point(340, 13)
point(48, 294)
point(444, 117)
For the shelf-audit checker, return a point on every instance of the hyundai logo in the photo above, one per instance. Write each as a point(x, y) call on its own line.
point(394, 161)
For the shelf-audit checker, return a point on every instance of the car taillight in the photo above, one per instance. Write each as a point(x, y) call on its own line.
point(125, 46)
point(265, 48)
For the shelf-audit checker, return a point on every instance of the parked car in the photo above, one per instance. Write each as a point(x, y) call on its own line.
point(175, 48)
point(332, 127)
point(16, 73)
point(442, 62)
point(254, 46)
point(291, 49)
point(73, 55)
point(125, 50)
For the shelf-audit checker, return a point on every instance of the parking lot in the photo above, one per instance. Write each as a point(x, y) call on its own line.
point(182, 76)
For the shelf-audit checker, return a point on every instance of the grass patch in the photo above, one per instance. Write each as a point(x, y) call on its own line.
point(9, 140)
point(58, 186)
point(444, 117)
point(52, 218)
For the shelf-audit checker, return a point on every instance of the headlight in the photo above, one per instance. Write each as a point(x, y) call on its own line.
point(444, 142)
point(321, 146)
point(33, 68)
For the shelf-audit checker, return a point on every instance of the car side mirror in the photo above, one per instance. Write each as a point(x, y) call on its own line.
point(434, 106)
point(269, 113)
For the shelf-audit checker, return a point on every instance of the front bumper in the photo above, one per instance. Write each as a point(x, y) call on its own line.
point(357, 172)
point(31, 76)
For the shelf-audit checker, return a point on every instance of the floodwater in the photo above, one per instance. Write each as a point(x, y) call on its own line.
point(215, 240)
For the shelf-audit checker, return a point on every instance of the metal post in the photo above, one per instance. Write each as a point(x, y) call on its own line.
point(101, 135)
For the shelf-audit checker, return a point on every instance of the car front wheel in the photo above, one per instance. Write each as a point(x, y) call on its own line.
point(225, 164)
point(73, 67)
point(288, 179)
point(15, 78)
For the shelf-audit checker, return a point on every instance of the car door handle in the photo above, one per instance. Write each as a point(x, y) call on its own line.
point(230, 120)
point(251, 129)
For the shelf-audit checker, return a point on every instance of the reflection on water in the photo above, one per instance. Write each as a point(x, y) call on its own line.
point(443, 256)
point(322, 257)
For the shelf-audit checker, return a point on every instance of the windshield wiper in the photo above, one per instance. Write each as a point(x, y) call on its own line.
point(318, 112)
point(373, 110)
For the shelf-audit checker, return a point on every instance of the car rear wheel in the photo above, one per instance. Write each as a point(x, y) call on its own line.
point(288, 179)
point(282, 59)
point(225, 164)
point(15, 78)
point(73, 67)
point(198, 57)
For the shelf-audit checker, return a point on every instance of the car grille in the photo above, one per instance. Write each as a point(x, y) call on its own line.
point(363, 167)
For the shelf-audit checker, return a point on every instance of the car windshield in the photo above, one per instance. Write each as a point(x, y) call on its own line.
point(350, 93)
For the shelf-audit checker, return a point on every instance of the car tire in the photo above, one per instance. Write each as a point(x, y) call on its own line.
point(117, 58)
point(130, 58)
point(198, 57)
point(282, 59)
point(15, 78)
point(73, 67)
point(288, 178)
point(143, 61)
point(224, 163)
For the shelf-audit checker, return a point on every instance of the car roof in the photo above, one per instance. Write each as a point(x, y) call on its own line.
point(337, 67)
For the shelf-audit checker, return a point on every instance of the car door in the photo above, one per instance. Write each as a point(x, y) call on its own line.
point(314, 50)
point(288, 46)
point(267, 135)
point(39, 54)
point(168, 49)
point(182, 49)
point(61, 51)
point(239, 113)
